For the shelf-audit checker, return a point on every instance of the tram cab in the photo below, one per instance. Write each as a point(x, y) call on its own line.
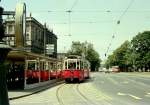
point(74, 69)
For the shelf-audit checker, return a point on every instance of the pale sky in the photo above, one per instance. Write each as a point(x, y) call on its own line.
point(89, 20)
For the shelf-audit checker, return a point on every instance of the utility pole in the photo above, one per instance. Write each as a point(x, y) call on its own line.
point(45, 30)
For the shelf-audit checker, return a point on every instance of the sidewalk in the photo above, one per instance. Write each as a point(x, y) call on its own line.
point(15, 94)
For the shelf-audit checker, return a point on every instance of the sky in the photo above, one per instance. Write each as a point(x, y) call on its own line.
point(94, 21)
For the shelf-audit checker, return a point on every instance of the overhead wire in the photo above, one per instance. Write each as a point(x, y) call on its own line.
point(74, 4)
point(84, 22)
point(88, 11)
point(121, 16)
point(117, 24)
point(69, 15)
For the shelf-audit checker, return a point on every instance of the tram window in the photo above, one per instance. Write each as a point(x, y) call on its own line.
point(58, 66)
point(51, 66)
point(54, 67)
point(41, 66)
point(46, 66)
point(78, 65)
point(65, 64)
point(31, 66)
point(81, 64)
point(72, 65)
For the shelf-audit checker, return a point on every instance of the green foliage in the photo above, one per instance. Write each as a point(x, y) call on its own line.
point(118, 58)
point(134, 54)
point(141, 42)
point(140, 46)
point(87, 50)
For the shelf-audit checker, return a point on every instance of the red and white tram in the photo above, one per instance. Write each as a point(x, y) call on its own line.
point(75, 68)
point(28, 70)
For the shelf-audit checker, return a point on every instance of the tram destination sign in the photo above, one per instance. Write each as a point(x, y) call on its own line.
point(49, 49)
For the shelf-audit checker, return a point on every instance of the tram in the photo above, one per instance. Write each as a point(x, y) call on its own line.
point(75, 68)
point(28, 70)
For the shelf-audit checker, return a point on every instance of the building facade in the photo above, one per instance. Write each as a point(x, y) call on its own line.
point(36, 38)
point(51, 40)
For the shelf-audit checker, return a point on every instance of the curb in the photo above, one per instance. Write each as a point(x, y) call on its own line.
point(37, 91)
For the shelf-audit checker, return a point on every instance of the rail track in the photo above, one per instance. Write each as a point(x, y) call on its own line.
point(76, 93)
point(58, 95)
point(88, 101)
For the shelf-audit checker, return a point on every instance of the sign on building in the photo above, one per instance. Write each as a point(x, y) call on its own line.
point(49, 49)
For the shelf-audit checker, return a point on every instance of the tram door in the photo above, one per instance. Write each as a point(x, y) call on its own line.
point(44, 67)
point(59, 69)
point(32, 73)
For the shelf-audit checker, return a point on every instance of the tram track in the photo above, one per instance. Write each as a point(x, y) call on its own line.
point(88, 101)
point(58, 95)
point(74, 92)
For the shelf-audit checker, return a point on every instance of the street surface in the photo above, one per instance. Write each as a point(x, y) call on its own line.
point(101, 89)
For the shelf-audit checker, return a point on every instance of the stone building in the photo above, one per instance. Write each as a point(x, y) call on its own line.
point(36, 39)
point(51, 40)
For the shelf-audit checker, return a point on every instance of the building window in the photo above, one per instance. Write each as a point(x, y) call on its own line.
point(27, 28)
point(6, 30)
point(28, 43)
point(27, 36)
point(35, 33)
point(11, 29)
point(11, 38)
point(12, 43)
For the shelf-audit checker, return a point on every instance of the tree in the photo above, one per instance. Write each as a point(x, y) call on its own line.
point(87, 50)
point(134, 54)
point(119, 57)
point(131, 60)
point(140, 46)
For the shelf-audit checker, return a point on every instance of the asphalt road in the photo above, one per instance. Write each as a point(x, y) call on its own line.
point(101, 89)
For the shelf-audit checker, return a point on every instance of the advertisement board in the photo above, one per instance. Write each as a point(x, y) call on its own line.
point(49, 49)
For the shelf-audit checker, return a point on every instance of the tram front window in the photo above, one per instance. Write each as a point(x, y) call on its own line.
point(72, 65)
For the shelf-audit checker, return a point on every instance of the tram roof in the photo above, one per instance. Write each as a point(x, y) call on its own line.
point(73, 57)
point(22, 55)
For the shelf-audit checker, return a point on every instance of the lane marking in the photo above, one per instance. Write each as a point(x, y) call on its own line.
point(148, 93)
point(125, 82)
point(135, 97)
point(121, 94)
